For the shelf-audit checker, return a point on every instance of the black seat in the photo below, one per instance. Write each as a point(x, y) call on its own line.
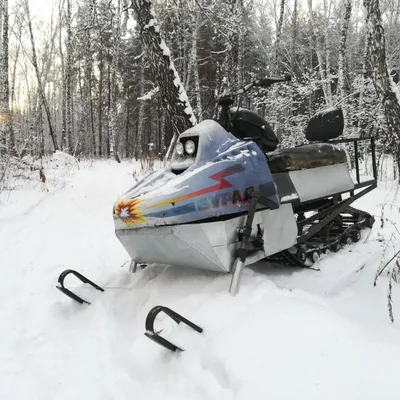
point(305, 157)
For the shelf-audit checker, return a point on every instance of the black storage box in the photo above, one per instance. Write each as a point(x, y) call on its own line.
point(325, 125)
point(248, 125)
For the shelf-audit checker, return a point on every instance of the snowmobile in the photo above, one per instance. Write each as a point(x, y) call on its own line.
point(227, 197)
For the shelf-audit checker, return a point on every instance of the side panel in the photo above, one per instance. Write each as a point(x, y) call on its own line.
point(280, 230)
point(285, 188)
point(182, 246)
point(321, 182)
point(210, 246)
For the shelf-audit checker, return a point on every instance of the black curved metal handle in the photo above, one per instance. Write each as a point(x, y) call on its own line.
point(68, 292)
point(155, 337)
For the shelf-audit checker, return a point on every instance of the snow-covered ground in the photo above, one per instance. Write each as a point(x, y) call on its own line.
point(289, 334)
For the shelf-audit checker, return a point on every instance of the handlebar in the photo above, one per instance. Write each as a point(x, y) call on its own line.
point(263, 82)
point(268, 81)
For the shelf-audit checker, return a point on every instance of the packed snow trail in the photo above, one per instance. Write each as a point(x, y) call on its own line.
point(289, 334)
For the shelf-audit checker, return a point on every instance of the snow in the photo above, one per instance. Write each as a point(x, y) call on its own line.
point(289, 197)
point(326, 111)
point(151, 23)
point(395, 88)
point(150, 94)
point(289, 334)
point(165, 49)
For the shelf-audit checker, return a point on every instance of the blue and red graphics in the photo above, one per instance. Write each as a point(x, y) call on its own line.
point(208, 188)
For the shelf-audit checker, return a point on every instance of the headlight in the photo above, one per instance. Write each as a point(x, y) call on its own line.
point(179, 148)
point(190, 147)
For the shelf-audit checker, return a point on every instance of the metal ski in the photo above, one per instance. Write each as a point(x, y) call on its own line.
point(155, 337)
point(68, 292)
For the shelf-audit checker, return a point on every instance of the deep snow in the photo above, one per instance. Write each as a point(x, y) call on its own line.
point(289, 334)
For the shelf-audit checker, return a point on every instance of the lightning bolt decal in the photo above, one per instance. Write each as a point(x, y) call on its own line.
point(219, 177)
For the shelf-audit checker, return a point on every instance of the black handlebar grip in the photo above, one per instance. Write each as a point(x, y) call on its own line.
point(268, 81)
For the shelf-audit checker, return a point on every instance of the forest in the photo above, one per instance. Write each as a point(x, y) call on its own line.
point(101, 78)
point(148, 252)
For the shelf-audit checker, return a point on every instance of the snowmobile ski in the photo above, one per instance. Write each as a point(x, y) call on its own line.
point(154, 335)
point(68, 292)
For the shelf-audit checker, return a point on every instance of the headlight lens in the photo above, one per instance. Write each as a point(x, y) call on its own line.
point(190, 147)
point(179, 148)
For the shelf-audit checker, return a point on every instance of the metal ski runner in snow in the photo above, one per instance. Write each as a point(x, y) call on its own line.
point(68, 292)
point(227, 198)
point(155, 335)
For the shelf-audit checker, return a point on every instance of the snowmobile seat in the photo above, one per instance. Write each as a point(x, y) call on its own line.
point(305, 157)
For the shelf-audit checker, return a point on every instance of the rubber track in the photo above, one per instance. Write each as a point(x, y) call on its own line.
point(359, 220)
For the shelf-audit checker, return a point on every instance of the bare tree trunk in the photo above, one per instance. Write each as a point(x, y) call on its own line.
point(3, 109)
point(293, 56)
point(5, 79)
point(108, 104)
point(279, 34)
point(343, 87)
point(116, 50)
point(327, 14)
point(5, 120)
point(68, 83)
point(101, 78)
point(193, 65)
point(366, 75)
point(240, 49)
point(89, 137)
point(127, 141)
point(64, 84)
point(382, 80)
point(162, 66)
point(13, 78)
point(39, 129)
point(321, 68)
point(39, 81)
point(199, 107)
point(139, 131)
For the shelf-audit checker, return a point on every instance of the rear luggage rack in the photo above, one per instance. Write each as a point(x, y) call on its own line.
point(355, 142)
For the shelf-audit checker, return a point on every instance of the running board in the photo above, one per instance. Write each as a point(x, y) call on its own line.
point(155, 337)
point(68, 292)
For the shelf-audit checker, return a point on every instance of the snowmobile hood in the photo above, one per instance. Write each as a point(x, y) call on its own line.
point(215, 181)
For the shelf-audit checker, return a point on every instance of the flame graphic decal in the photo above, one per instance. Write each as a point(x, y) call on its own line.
point(127, 212)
